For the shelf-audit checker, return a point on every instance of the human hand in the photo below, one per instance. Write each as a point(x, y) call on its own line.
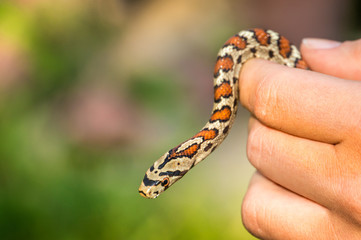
point(305, 142)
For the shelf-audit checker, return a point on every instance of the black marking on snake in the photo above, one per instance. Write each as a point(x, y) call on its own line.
point(165, 182)
point(151, 168)
point(166, 160)
point(268, 38)
point(296, 62)
point(174, 152)
point(225, 130)
point(141, 192)
point(270, 54)
point(235, 80)
point(149, 182)
point(279, 48)
point(226, 56)
point(253, 50)
point(252, 31)
point(208, 147)
point(194, 163)
point(244, 39)
point(173, 173)
point(239, 59)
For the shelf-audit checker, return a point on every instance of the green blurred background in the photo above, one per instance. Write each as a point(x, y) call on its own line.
point(94, 91)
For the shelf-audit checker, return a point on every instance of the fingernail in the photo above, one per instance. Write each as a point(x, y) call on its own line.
point(318, 43)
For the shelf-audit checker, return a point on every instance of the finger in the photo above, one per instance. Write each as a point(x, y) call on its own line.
point(302, 103)
point(300, 165)
point(271, 212)
point(341, 60)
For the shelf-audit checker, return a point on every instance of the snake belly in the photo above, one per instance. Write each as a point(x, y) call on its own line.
point(248, 44)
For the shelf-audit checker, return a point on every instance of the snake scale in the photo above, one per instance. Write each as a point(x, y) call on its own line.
point(254, 43)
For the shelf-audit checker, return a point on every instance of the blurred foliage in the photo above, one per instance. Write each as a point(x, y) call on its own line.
point(151, 88)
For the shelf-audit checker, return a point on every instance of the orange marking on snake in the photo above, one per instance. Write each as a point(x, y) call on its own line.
point(301, 64)
point(225, 63)
point(207, 134)
point(223, 90)
point(221, 115)
point(237, 41)
point(284, 47)
point(262, 37)
point(188, 152)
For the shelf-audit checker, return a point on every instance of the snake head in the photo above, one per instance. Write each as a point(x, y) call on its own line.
point(161, 176)
point(152, 188)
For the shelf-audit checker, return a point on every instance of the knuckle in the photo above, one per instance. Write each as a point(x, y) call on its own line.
point(250, 216)
point(266, 97)
point(349, 198)
point(254, 145)
point(355, 47)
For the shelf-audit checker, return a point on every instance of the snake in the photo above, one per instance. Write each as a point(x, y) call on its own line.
point(246, 45)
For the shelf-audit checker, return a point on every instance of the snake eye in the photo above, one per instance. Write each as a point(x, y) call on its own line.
point(165, 182)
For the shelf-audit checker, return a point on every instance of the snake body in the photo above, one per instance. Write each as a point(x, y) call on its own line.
point(254, 43)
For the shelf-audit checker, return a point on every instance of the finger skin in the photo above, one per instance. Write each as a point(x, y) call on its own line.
point(299, 102)
point(324, 173)
point(289, 160)
point(272, 212)
point(346, 59)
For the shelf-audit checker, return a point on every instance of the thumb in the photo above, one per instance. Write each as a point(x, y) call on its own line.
point(338, 59)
